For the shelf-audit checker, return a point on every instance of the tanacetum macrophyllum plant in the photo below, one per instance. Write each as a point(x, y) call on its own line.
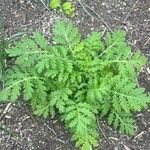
point(80, 78)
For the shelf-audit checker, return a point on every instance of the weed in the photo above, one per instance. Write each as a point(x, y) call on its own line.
point(79, 78)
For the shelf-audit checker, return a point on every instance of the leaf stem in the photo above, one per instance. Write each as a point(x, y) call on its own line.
point(20, 81)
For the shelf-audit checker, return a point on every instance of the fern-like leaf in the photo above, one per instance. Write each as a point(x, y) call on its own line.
point(66, 34)
point(80, 118)
point(122, 121)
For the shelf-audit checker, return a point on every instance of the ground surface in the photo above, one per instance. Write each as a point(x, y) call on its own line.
point(20, 129)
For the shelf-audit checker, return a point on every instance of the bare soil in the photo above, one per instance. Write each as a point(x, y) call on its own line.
point(19, 128)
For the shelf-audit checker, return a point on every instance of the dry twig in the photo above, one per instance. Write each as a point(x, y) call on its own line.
point(84, 6)
point(4, 112)
point(103, 132)
point(127, 16)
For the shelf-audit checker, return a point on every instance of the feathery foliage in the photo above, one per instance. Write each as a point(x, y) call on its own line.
point(79, 78)
point(3, 45)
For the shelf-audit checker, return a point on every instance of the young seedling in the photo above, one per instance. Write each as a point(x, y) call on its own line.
point(65, 6)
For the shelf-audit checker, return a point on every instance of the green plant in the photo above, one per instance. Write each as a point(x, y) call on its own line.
point(3, 45)
point(79, 78)
point(66, 6)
